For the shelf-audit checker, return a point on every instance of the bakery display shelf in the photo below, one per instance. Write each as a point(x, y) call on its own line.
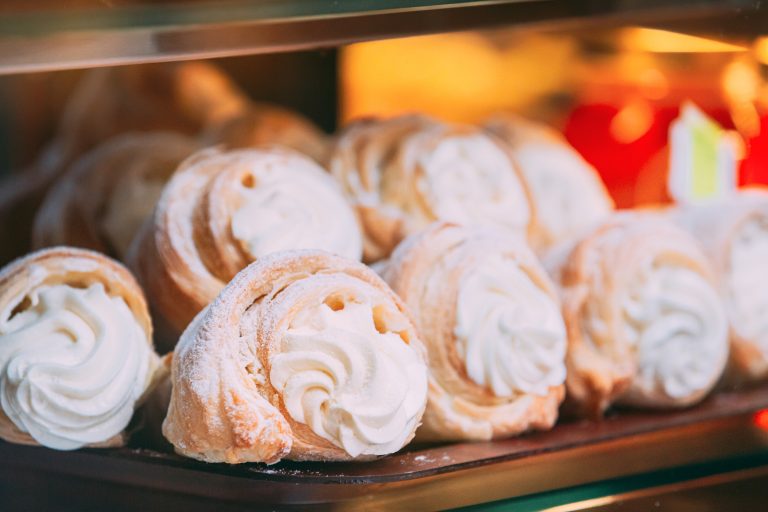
point(45, 35)
point(727, 425)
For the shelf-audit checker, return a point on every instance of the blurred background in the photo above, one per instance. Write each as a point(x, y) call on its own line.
point(612, 91)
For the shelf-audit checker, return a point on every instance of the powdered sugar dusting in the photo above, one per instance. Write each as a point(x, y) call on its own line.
point(242, 415)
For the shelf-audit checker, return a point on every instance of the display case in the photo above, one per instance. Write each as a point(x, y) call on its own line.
point(44, 35)
point(611, 75)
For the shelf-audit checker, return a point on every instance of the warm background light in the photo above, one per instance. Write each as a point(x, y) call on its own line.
point(632, 121)
point(613, 93)
point(663, 41)
point(741, 87)
point(457, 77)
point(760, 419)
point(466, 76)
point(760, 49)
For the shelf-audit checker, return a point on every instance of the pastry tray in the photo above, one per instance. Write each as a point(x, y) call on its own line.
point(728, 424)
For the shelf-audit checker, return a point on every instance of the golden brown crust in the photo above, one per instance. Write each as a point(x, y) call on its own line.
point(426, 270)
point(358, 158)
point(69, 265)
point(266, 125)
point(184, 97)
point(75, 267)
point(165, 255)
point(223, 407)
point(74, 210)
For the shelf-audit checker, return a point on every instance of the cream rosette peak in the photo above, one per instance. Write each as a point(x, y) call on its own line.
point(734, 234)
point(490, 318)
point(646, 325)
point(568, 193)
point(76, 356)
point(304, 355)
point(404, 173)
point(225, 209)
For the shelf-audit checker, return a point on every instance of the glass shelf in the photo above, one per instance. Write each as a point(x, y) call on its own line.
point(40, 35)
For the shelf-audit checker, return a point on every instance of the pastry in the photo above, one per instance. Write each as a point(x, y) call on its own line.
point(404, 173)
point(76, 354)
point(568, 194)
point(184, 97)
point(264, 125)
point(490, 318)
point(225, 209)
point(734, 234)
point(304, 355)
point(646, 326)
point(105, 197)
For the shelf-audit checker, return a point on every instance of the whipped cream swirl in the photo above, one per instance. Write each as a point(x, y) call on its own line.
point(509, 331)
point(676, 323)
point(73, 365)
point(468, 179)
point(295, 206)
point(747, 281)
point(358, 386)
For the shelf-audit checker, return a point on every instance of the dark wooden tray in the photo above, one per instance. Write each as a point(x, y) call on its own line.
point(626, 442)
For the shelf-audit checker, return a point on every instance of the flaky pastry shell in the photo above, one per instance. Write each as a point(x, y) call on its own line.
point(225, 405)
point(431, 271)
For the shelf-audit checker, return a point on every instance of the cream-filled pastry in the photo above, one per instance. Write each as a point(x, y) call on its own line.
point(509, 331)
point(490, 318)
point(734, 234)
point(404, 173)
point(646, 325)
point(76, 355)
point(304, 355)
point(107, 195)
point(225, 209)
point(179, 97)
point(567, 192)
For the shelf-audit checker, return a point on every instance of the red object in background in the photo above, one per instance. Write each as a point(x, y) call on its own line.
point(760, 419)
point(634, 172)
point(588, 129)
point(754, 167)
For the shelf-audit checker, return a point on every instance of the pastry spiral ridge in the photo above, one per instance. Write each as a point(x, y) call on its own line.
point(404, 173)
point(646, 323)
point(490, 318)
point(304, 355)
point(222, 210)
